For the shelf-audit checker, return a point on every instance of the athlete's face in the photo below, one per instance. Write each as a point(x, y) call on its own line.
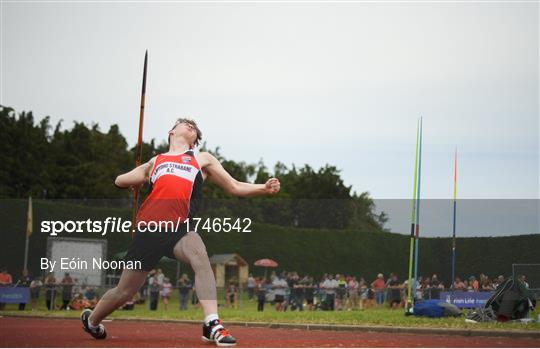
point(184, 129)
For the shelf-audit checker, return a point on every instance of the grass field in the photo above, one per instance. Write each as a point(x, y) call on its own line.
point(248, 313)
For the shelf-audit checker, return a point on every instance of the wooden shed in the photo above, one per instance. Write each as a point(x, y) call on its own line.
point(229, 266)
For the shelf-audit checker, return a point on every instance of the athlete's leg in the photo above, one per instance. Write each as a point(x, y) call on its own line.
point(129, 284)
point(191, 249)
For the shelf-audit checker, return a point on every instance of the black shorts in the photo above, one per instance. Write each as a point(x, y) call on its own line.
point(149, 247)
point(279, 298)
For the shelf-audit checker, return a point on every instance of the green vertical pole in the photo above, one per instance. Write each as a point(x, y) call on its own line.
point(413, 221)
point(417, 237)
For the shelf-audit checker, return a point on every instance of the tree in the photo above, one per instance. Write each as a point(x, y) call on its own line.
point(82, 163)
point(24, 154)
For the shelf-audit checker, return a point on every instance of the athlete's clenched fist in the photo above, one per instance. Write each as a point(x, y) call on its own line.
point(272, 186)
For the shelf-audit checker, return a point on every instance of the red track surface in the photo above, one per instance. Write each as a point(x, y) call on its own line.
point(39, 332)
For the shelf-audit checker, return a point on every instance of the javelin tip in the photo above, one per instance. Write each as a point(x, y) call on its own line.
point(144, 75)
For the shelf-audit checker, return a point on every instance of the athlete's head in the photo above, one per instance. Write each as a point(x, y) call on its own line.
point(187, 129)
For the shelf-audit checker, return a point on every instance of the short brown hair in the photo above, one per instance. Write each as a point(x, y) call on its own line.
point(192, 123)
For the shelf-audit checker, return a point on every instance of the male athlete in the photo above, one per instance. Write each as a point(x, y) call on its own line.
point(176, 178)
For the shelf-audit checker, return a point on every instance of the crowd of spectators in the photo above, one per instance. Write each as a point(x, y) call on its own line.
point(287, 290)
point(284, 291)
point(66, 293)
point(69, 294)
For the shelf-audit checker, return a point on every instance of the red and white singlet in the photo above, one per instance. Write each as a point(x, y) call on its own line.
point(176, 182)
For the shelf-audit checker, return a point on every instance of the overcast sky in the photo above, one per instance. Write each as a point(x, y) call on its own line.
point(302, 83)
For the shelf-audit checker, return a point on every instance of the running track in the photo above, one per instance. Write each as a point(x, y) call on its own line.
point(40, 332)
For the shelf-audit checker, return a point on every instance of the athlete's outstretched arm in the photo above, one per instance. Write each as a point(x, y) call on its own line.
point(217, 174)
point(138, 176)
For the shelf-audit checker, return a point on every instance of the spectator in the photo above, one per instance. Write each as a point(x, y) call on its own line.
point(364, 293)
point(35, 290)
point(426, 288)
point(151, 276)
point(378, 286)
point(296, 299)
point(299, 294)
point(24, 281)
point(352, 289)
point(499, 281)
point(523, 279)
point(289, 277)
point(485, 283)
point(67, 286)
point(166, 290)
point(405, 293)
point(250, 286)
point(436, 287)
point(153, 292)
point(309, 291)
point(184, 286)
point(459, 285)
point(280, 289)
point(394, 292)
point(330, 285)
point(5, 278)
point(160, 277)
point(321, 293)
point(474, 286)
point(341, 291)
point(389, 279)
point(78, 302)
point(231, 296)
point(260, 290)
point(5, 281)
point(194, 298)
point(419, 288)
point(50, 291)
point(91, 297)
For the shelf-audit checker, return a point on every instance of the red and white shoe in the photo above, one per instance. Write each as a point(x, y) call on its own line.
point(215, 332)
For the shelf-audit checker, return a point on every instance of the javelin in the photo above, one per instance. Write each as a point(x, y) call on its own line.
point(413, 220)
point(138, 148)
point(454, 225)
